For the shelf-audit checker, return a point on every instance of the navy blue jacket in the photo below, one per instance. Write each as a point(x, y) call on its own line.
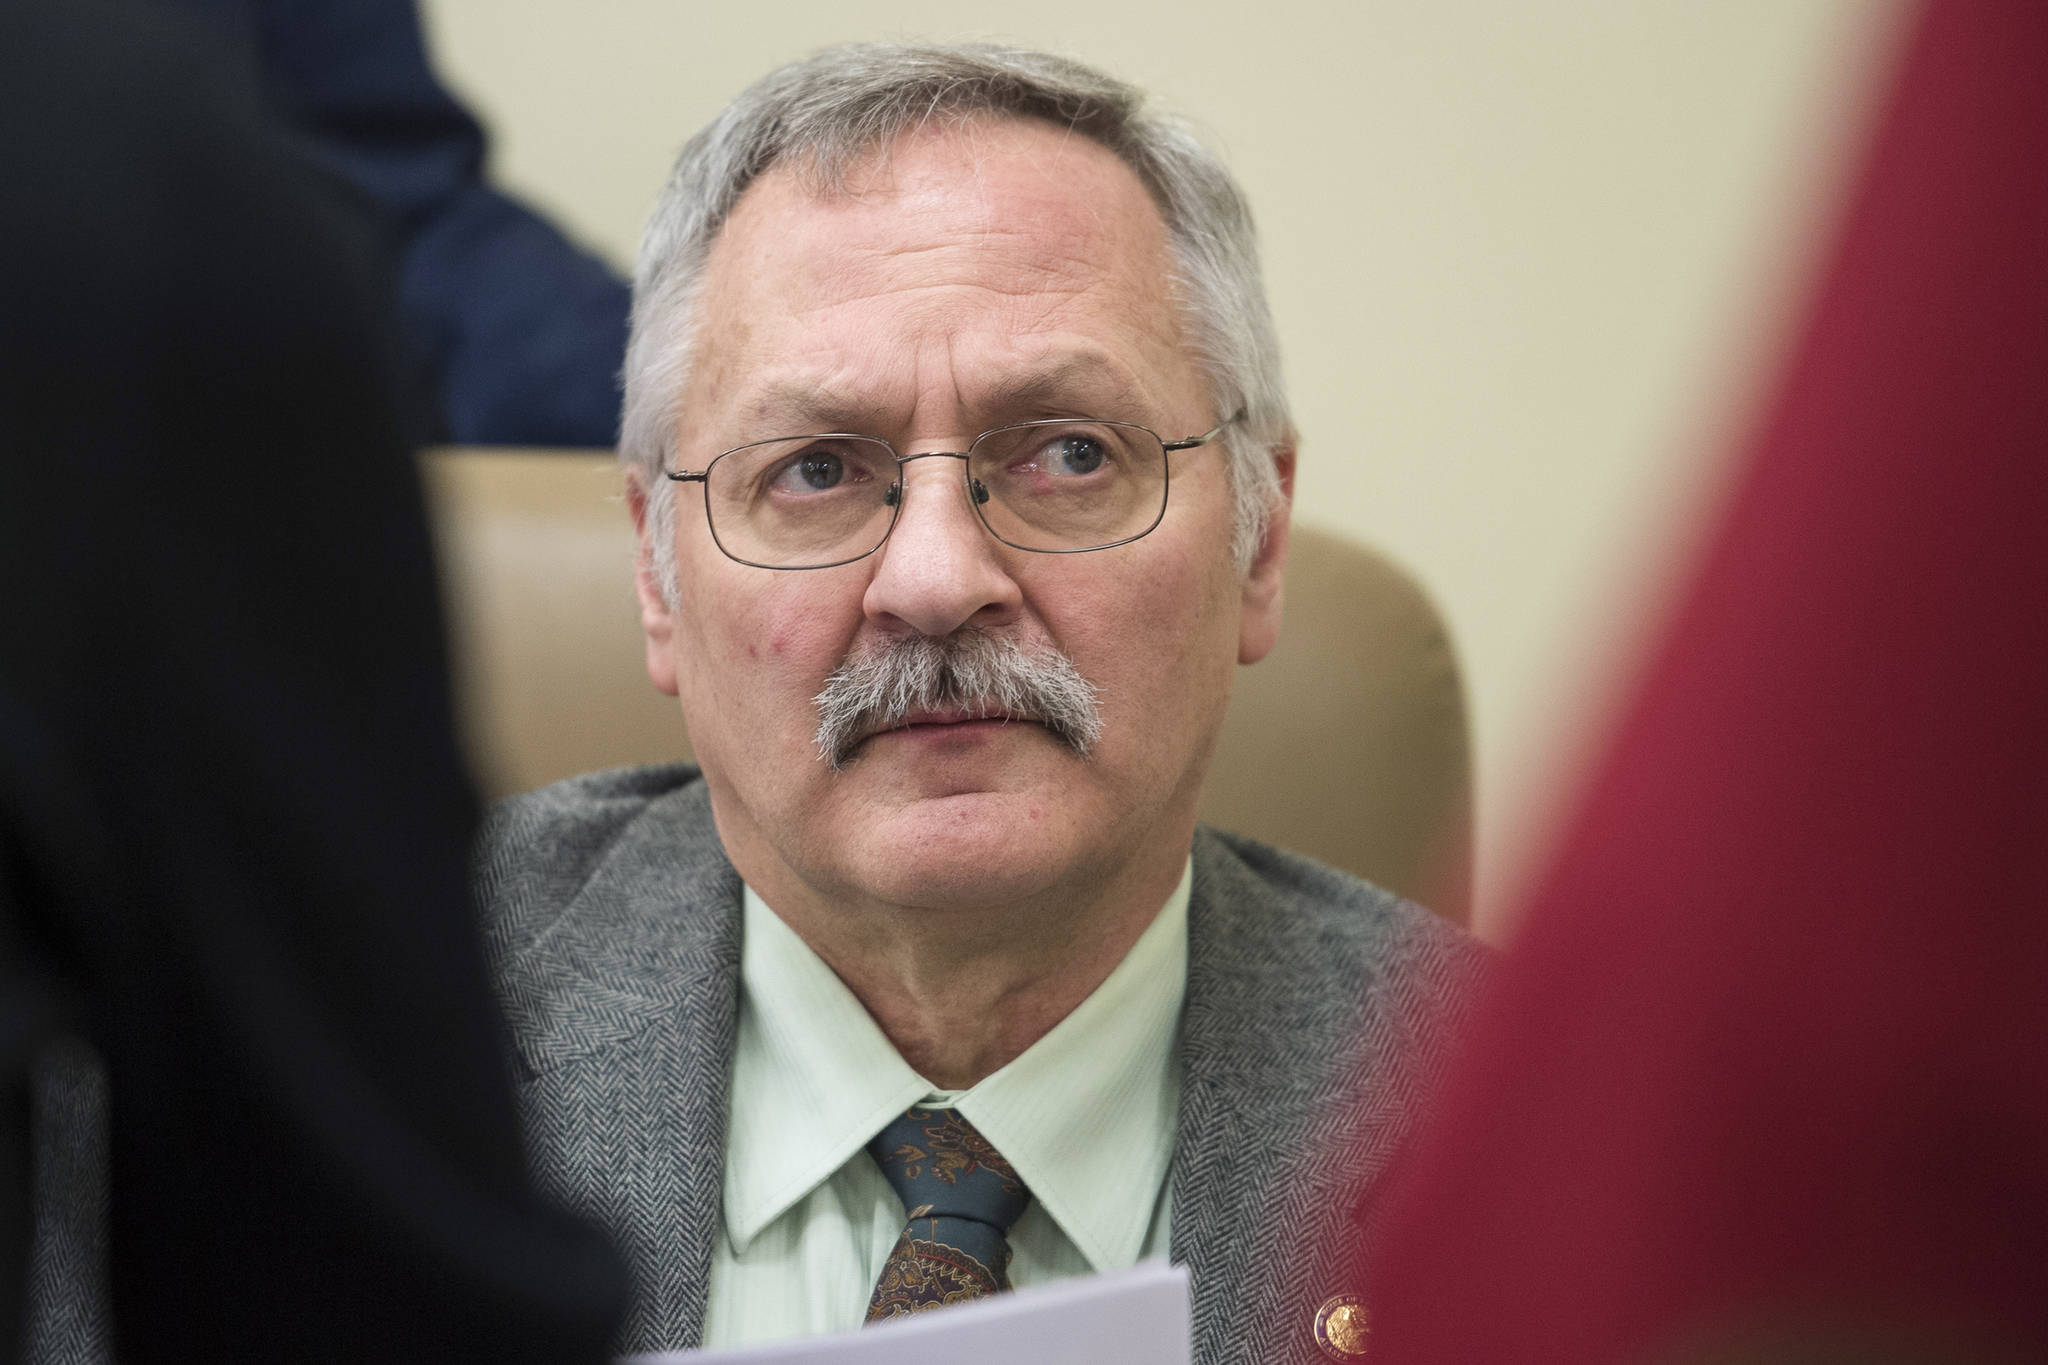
point(516, 334)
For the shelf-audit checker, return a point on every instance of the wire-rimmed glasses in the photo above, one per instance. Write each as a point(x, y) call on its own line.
point(1057, 486)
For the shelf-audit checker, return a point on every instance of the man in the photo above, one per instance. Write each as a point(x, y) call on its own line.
point(937, 897)
point(252, 1102)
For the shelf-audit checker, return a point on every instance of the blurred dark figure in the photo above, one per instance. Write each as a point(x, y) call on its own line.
point(515, 336)
point(233, 822)
point(1765, 1080)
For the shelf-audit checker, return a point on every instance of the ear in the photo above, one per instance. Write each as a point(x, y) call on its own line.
point(657, 618)
point(1259, 620)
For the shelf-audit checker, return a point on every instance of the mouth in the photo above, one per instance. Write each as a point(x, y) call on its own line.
point(949, 716)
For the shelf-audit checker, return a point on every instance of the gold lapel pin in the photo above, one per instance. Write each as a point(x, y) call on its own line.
point(1341, 1327)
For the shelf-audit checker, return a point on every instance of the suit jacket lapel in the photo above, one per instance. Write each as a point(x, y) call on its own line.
point(1265, 1156)
point(623, 1010)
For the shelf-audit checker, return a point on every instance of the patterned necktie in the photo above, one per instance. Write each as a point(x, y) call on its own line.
point(961, 1198)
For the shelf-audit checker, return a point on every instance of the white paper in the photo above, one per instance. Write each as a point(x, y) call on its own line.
point(1129, 1317)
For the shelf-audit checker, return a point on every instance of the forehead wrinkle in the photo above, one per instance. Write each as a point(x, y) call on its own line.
point(1090, 379)
point(801, 407)
point(1013, 263)
point(1082, 380)
point(1042, 236)
point(1030, 262)
point(1060, 237)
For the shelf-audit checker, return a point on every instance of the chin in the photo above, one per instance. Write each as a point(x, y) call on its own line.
point(974, 849)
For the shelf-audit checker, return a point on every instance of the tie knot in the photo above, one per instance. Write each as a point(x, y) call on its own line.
point(942, 1167)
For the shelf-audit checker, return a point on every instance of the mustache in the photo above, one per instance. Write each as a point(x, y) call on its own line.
point(975, 670)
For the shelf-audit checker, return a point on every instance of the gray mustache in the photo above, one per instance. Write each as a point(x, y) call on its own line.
point(971, 669)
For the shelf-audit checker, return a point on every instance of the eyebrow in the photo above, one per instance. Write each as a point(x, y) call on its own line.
point(1077, 383)
point(1062, 380)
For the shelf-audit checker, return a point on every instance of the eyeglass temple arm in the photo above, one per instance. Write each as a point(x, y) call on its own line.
point(1191, 442)
point(687, 475)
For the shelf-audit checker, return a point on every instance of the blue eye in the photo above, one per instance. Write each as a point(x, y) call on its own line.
point(812, 470)
point(821, 470)
point(1077, 455)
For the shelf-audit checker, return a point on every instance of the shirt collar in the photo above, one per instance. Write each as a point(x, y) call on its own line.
point(813, 1076)
point(1086, 1114)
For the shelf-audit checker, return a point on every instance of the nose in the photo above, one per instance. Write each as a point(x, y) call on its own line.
point(940, 569)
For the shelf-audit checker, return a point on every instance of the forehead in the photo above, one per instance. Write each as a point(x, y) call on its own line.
point(1002, 264)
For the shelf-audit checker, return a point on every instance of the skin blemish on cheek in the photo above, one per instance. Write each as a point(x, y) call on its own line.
point(752, 653)
point(779, 643)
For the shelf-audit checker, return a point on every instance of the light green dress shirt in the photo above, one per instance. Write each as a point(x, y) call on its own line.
point(1086, 1115)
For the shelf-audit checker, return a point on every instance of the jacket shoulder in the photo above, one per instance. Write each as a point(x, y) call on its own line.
point(1297, 895)
point(1333, 947)
point(536, 851)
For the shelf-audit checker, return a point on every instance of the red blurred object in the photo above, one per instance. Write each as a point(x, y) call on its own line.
point(1773, 1045)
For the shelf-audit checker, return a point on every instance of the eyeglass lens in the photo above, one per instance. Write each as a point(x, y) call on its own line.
point(1052, 486)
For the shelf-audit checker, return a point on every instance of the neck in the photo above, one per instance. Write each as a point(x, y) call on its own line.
point(962, 992)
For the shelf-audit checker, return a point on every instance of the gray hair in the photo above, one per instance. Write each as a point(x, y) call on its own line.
point(825, 112)
point(884, 680)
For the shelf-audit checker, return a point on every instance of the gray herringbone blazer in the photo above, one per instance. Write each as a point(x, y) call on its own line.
point(1317, 1008)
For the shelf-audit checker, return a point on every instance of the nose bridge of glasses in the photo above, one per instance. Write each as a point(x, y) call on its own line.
point(974, 488)
point(902, 460)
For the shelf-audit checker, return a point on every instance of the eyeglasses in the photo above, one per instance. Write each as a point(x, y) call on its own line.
point(1052, 487)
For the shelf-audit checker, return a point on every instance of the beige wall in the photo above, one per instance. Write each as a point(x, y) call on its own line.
point(1527, 259)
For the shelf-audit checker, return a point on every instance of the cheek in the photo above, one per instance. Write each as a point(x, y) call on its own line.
point(753, 647)
point(1154, 637)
